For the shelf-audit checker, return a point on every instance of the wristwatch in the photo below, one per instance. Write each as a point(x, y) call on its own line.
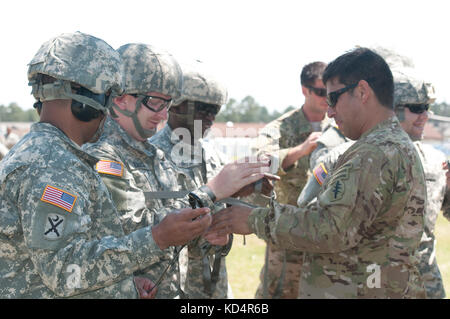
point(208, 191)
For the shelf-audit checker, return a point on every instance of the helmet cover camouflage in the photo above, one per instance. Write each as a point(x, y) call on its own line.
point(148, 69)
point(80, 58)
point(199, 86)
point(409, 89)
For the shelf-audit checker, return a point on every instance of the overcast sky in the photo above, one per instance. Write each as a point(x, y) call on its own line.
point(256, 48)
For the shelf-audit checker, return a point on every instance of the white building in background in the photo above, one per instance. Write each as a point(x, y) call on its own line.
point(234, 139)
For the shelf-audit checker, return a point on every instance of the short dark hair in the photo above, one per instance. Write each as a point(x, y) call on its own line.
point(311, 72)
point(364, 64)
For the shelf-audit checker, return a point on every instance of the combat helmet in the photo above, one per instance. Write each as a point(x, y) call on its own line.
point(409, 89)
point(82, 59)
point(147, 69)
point(200, 87)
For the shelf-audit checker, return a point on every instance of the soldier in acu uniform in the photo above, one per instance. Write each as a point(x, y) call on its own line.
point(197, 162)
point(412, 99)
point(60, 233)
point(144, 185)
point(362, 232)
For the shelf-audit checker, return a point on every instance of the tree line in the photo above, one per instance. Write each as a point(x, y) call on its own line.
point(247, 110)
point(14, 113)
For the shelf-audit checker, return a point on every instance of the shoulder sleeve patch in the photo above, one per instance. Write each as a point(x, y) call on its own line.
point(320, 173)
point(58, 197)
point(109, 167)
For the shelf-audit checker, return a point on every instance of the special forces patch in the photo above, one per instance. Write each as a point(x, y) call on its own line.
point(54, 226)
point(337, 190)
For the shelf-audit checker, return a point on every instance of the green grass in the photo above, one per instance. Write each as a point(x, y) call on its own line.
point(442, 232)
point(244, 262)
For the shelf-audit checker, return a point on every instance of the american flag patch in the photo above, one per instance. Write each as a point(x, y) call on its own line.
point(109, 167)
point(320, 173)
point(58, 197)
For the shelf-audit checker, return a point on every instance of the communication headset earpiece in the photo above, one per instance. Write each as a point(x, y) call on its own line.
point(84, 112)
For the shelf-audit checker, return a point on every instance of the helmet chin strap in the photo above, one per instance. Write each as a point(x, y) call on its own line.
point(62, 89)
point(145, 134)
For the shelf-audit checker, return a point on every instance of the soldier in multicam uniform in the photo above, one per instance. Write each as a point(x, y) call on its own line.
point(197, 162)
point(60, 233)
point(411, 99)
point(143, 184)
point(291, 138)
point(362, 233)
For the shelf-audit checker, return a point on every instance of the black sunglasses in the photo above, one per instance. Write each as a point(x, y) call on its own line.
point(417, 108)
point(206, 109)
point(332, 97)
point(317, 91)
point(154, 103)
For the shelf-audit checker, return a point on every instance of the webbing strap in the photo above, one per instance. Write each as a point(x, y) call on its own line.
point(165, 194)
point(236, 202)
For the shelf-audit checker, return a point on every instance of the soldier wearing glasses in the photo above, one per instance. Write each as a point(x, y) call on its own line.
point(292, 138)
point(412, 100)
point(362, 232)
point(143, 184)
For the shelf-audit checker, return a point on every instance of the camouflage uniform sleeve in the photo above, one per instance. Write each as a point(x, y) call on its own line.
point(59, 239)
point(347, 205)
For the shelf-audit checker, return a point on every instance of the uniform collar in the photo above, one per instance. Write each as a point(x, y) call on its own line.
point(392, 122)
point(112, 128)
point(54, 132)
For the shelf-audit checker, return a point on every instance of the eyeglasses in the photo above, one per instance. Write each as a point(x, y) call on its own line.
point(417, 108)
point(204, 109)
point(317, 91)
point(332, 97)
point(155, 103)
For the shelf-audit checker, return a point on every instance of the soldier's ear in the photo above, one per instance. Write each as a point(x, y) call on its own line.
point(121, 101)
point(305, 91)
point(364, 91)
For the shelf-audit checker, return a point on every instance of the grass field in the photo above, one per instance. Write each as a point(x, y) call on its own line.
point(244, 262)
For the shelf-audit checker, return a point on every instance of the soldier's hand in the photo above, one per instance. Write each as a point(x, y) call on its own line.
point(230, 220)
point(301, 150)
point(266, 188)
point(218, 240)
point(180, 227)
point(235, 176)
point(145, 287)
point(310, 143)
